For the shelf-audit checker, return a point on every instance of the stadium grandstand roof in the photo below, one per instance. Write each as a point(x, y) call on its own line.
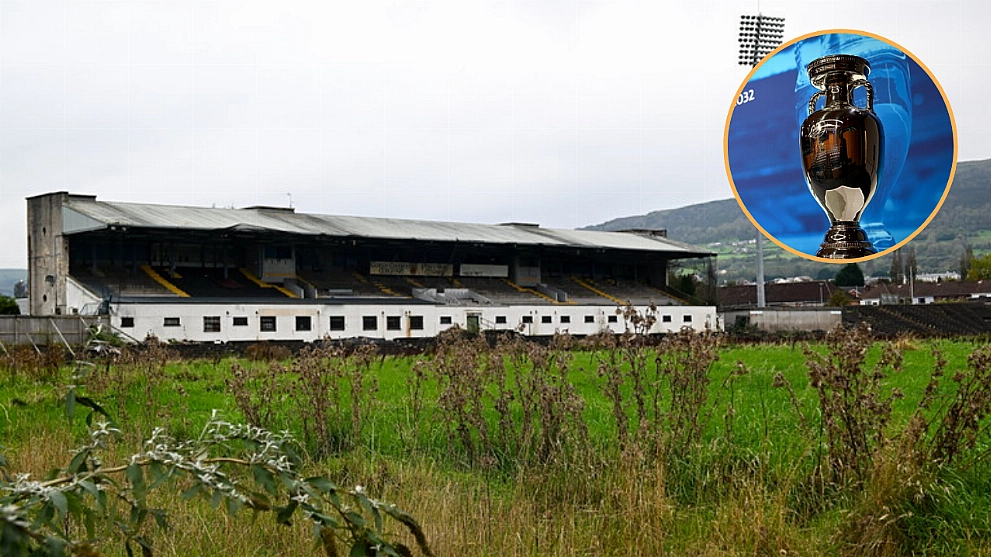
point(84, 213)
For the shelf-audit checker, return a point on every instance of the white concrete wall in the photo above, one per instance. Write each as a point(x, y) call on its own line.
point(48, 330)
point(79, 299)
point(277, 270)
point(141, 320)
point(779, 320)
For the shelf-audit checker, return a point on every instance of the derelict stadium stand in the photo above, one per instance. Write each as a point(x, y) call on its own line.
point(626, 291)
point(953, 319)
point(396, 286)
point(642, 293)
point(335, 282)
point(577, 294)
point(120, 282)
point(501, 292)
point(211, 282)
point(946, 319)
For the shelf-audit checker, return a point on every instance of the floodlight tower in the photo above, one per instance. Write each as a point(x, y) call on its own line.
point(759, 35)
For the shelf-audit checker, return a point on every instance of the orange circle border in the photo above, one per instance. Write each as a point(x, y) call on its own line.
point(729, 118)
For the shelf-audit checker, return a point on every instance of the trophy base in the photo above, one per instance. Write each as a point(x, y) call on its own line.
point(845, 240)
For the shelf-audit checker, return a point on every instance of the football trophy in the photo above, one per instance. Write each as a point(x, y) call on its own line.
point(842, 148)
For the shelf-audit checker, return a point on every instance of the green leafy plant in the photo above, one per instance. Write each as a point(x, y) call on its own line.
point(231, 465)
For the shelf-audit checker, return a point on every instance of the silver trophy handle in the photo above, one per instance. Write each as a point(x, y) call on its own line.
point(870, 91)
point(853, 85)
point(814, 100)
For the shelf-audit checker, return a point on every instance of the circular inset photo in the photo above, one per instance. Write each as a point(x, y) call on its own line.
point(840, 146)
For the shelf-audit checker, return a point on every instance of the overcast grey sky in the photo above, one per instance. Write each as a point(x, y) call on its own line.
point(565, 113)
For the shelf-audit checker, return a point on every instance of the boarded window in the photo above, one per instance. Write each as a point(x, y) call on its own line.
point(211, 324)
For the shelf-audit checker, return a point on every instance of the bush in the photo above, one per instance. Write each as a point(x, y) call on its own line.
point(105, 492)
point(231, 465)
point(8, 306)
point(839, 298)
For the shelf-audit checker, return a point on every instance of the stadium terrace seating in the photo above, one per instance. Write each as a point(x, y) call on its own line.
point(336, 282)
point(577, 294)
point(632, 292)
point(400, 287)
point(120, 282)
point(949, 319)
point(502, 292)
point(210, 282)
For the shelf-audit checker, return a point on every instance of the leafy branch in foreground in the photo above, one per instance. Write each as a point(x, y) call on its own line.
point(237, 466)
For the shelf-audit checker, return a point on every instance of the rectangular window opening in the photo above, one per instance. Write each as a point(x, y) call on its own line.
point(211, 324)
point(303, 323)
point(267, 324)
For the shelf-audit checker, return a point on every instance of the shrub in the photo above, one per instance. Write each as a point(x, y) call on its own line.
point(8, 306)
point(230, 465)
point(538, 412)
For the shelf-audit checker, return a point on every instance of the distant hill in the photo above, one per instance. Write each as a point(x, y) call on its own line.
point(9, 277)
point(965, 218)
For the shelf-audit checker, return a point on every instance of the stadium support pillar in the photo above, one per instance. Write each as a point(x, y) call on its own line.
point(48, 254)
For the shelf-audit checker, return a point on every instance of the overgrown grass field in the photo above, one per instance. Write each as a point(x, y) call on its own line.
point(604, 446)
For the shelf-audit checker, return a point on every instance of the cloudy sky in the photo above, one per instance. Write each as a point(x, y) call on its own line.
point(565, 113)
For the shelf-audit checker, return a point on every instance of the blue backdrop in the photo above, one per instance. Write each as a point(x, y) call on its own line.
point(765, 158)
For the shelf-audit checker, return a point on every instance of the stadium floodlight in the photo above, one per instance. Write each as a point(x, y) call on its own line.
point(759, 35)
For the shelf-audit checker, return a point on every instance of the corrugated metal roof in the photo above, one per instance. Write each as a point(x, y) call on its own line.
point(140, 215)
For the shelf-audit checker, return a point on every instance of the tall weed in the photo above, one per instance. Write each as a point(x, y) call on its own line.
point(508, 406)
